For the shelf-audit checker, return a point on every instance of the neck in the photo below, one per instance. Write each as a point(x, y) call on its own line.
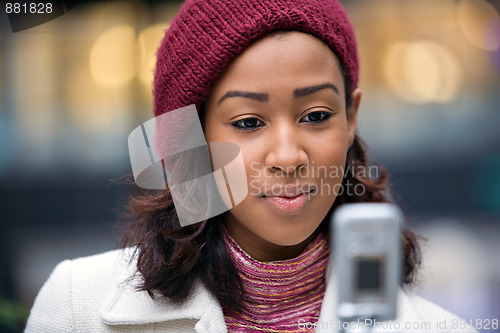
point(263, 250)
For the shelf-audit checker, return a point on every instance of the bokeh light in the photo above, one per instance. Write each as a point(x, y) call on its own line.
point(96, 110)
point(423, 71)
point(478, 21)
point(148, 42)
point(72, 89)
point(112, 59)
point(34, 93)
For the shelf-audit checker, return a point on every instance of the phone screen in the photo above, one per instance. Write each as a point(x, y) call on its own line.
point(369, 277)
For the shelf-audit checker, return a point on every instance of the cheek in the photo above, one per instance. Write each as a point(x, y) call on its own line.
point(327, 166)
point(330, 150)
point(331, 162)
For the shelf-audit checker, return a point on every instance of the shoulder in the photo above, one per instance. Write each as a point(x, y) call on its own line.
point(417, 312)
point(99, 294)
point(76, 290)
point(90, 278)
point(105, 268)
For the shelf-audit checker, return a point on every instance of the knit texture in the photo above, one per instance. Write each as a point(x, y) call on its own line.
point(279, 293)
point(207, 34)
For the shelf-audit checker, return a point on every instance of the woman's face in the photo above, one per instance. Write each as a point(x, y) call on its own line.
point(282, 102)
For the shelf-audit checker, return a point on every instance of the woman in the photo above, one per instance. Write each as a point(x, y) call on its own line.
point(279, 79)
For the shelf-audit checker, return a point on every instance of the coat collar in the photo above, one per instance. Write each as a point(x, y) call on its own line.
point(127, 306)
point(124, 305)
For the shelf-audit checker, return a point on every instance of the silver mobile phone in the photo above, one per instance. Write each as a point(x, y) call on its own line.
point(367, 260)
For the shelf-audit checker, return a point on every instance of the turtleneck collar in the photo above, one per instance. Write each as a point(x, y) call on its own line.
point(279, 293)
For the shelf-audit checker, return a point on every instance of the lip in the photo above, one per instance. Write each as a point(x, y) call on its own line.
point(290, 191)
point(289, 200)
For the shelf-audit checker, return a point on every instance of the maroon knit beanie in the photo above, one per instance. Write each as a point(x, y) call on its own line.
point(207, 34)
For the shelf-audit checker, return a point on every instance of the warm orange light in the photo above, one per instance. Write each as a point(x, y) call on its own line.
point(94, 109)
point(112, 59)
point(423, 71)
point(34, 88)
point(148, 42)
point(479, 22)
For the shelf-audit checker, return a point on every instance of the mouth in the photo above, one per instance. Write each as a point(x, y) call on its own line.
point(289, 200)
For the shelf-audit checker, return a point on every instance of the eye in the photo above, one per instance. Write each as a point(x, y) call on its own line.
point(248, 124)
point(315, 117)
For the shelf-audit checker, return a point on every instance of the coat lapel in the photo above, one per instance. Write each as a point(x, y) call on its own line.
point(124, 305)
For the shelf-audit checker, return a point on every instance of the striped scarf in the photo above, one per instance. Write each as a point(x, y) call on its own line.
point(281, 294)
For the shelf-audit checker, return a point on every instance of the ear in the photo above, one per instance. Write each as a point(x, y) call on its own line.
point(352, 114)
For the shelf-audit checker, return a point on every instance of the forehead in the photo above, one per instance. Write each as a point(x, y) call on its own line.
point(283, 60)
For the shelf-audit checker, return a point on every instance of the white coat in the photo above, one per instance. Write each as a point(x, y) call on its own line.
point(96, 294)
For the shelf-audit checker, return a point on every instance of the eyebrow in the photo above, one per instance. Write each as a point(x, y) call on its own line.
point(263, 97)
point(301, 92)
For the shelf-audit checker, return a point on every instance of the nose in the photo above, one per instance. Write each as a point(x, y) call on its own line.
point(286, 150)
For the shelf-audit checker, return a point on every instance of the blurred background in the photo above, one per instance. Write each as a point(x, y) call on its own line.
point(72, 89)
